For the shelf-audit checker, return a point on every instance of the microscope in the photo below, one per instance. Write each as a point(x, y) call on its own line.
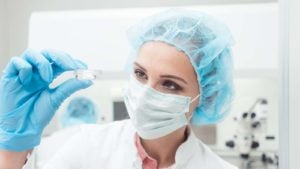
point(251, 127)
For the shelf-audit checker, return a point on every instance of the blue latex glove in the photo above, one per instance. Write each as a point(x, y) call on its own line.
point(27, 104)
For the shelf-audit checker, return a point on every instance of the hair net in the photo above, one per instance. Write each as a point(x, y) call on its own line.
point(80, 110)
point(207, 42)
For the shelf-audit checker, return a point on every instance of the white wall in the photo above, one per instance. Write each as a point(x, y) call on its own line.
point(19, 11)
point(3, 37)
point(92, 46)
point(294, 83)
point(289, 41)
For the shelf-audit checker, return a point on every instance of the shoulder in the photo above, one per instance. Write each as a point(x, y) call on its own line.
point(105, 135)
point(114, 128)
point(111, 131)
point(92, 144)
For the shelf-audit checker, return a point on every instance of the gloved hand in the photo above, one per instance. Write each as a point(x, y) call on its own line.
point(27, 104)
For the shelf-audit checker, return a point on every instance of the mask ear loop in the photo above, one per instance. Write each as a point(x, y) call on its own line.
point(195, 98)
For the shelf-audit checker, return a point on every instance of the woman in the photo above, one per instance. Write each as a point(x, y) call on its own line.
point(180, 74)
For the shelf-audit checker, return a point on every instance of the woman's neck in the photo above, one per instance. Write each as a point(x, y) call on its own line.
point(164, 149)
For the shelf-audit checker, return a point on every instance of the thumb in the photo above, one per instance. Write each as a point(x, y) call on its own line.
point(63, 91)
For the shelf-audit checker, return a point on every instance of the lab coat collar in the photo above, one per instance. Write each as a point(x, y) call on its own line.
point(134, 157)
point(185, 152)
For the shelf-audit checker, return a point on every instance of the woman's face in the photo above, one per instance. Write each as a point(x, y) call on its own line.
point(165, 69)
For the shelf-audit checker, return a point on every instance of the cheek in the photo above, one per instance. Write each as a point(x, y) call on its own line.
point(194, 92)
point(194, 105)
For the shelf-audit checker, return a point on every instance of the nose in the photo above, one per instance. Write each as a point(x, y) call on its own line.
point(153, 83)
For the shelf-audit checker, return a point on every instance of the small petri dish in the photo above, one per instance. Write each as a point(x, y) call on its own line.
point(87, 74)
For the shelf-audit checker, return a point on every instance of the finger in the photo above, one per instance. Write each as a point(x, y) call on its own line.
point(39, 62)
point(62, 62)
point(19, 67)
point(67, 88)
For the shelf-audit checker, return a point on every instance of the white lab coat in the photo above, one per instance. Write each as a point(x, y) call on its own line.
point(112, 146)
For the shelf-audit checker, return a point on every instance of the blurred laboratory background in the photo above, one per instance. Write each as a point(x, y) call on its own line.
point(95, 31)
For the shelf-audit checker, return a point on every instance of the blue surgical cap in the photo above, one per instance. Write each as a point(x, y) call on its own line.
point(207, 43)
point(80, 110)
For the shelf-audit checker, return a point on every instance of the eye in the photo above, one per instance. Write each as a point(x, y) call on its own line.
point(140, 74)
point(171, 86)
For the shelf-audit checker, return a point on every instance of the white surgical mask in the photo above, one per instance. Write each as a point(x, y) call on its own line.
point(155, 114)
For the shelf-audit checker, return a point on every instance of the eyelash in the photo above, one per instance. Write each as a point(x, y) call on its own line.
point(175, 87)
point(139, 74)
point(167, 84)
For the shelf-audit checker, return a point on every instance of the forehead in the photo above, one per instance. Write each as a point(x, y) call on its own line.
point(164, 59)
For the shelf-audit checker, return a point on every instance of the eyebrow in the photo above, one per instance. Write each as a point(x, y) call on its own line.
point(140, 66)
point(174, 77)
point(163, 76)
